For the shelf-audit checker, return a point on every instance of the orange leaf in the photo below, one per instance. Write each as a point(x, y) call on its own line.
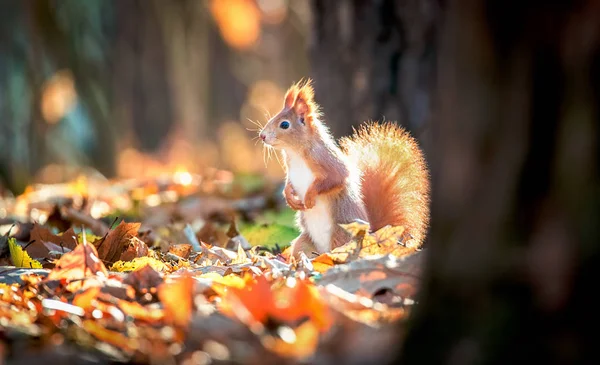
point(177, 300)
point(84, 300)
point(322, 263)
point(252, 303)
point(289, 303)
point(111, 337)
point(81, 263)
point(306, 301)
point(140, 312)
point(296, 343)
point(182, 250)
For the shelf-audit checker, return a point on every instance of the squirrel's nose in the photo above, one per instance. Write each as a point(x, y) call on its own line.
point(263, 136)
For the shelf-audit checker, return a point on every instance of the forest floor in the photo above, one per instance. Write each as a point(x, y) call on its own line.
point(191, 269)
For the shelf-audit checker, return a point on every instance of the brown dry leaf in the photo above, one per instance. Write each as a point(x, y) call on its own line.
point(111, 247)
point(82, 262)
point(177, 299)
point(182, 250)
point(43, 241)
point(209, 233)
point(40, 234)
point(135, 248)
point(143, 279)
point(117, 339)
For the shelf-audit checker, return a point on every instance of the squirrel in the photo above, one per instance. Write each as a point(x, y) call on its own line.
point(378, 175)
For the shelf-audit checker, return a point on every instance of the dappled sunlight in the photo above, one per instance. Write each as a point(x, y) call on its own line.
point(58, 96)
point(238, 21)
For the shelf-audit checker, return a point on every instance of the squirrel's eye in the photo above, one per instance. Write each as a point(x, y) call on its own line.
point(284, 125)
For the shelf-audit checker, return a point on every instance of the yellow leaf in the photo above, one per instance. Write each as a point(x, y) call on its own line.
point(322, 263)
point(356, 227)
point(138, 263)
point(20, 257)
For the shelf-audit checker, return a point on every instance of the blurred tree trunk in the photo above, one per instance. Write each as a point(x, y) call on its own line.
point(78, 46)
point(143, 97)
point(185, 28)
point(373, 60)
point(514, 247)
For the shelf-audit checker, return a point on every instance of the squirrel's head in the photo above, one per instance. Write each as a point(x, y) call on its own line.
point(294, 125)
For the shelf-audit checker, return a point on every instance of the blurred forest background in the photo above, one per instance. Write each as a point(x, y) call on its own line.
point(135, 88)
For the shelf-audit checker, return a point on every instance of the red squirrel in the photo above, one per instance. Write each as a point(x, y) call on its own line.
point(378, 175)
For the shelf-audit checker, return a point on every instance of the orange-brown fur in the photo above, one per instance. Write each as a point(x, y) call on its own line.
point(378, 174)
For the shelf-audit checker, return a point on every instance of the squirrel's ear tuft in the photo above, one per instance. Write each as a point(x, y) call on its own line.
point(290, 96)
point(304, 103)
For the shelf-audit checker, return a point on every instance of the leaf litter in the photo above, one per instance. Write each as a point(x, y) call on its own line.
point(193, 273)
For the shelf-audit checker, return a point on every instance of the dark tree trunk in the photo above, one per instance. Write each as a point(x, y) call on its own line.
point(514, 246)
point(373, 60)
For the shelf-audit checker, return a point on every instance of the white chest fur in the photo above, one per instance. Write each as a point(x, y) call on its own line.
point(318, 220)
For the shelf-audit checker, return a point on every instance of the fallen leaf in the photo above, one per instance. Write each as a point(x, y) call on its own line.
point(135, 248)
point(372, 275)
point(137, 311)
point(177, 299)
point(250, 304)
point(209, 233)
point(298, 343)
point(241, 257)
point(139, 262)
point(67, 239)
point(182, 250)
point(86, 299)
point(19, 257)
point(269, 236)
point(143, 279)
point(289, 303)
point(117, 339)
point(322, 263)
point(112, 246)
point(388, 240)
point(81, 263)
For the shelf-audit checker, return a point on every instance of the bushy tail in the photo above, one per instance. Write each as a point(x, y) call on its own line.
point(395, 178)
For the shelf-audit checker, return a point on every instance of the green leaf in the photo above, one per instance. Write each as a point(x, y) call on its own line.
point(269, 235)
point(20, 257)
point(285, 217)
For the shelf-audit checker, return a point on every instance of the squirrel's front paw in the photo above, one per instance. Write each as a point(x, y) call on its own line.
point(296, 204)
point(309, 201)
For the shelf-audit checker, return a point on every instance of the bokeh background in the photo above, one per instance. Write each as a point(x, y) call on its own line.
point(135, 88)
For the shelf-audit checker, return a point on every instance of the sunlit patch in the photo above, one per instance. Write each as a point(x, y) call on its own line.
point(182, 177)
point(238, 21)
point(58, 96)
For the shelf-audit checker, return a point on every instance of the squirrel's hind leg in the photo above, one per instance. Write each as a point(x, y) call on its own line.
point(303, 243)
point(339, 237)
